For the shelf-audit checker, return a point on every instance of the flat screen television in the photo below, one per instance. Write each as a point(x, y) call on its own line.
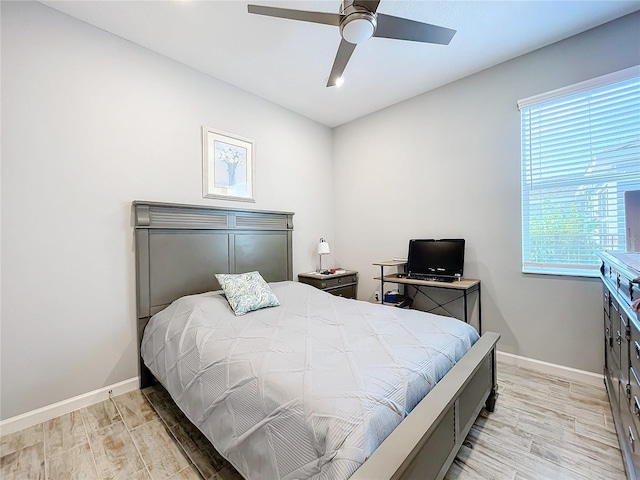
point(443, 258)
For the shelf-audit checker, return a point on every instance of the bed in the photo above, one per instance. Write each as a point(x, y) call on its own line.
point(178, 247)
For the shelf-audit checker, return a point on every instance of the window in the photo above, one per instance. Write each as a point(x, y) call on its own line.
point(580, 153)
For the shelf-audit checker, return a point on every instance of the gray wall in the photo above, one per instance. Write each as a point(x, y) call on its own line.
point(91, 122)
point(447, 164)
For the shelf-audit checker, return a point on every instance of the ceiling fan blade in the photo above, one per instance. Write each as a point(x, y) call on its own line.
point(405, 29)
point(371, 5)
point(340, 63)
point(303, 15)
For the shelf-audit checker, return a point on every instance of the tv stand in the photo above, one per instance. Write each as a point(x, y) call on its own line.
point(464, 286)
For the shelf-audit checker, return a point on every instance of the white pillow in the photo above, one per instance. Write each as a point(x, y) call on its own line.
point(246, 292)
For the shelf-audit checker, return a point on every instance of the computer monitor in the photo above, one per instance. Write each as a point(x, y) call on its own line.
point(440, 258)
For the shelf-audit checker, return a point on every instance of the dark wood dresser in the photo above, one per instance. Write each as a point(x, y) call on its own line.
point(620, 274)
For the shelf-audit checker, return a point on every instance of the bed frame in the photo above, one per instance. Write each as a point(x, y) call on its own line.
point(180, 247)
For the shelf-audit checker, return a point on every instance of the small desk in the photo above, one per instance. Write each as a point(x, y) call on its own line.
point(465, 286)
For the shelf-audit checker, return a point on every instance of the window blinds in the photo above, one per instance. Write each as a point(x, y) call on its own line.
point(580, 153)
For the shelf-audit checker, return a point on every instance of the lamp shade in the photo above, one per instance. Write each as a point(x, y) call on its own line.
point(323, 247)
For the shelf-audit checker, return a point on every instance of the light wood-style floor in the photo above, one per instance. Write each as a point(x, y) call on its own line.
point(543, 428)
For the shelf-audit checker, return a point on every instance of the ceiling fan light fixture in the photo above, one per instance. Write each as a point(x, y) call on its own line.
point(358, 21)
point(358, 27)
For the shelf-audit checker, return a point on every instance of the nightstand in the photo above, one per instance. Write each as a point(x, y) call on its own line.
point(339, 284)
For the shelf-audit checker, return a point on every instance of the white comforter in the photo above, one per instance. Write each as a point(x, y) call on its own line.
point(308, 389)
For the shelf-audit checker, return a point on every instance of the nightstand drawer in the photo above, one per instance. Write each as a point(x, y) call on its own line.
point(337, 282)
point(340, 284)
point(348, 291)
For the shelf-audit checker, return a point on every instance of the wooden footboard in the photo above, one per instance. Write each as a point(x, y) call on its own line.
point(424, 445)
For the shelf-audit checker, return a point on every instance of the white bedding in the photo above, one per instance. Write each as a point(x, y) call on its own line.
point(308, 389)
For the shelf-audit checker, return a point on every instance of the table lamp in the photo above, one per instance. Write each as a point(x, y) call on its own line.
point(323, 249)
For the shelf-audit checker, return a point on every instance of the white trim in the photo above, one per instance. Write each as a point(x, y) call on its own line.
point(34, 417)
point(597, 82)
point(574, 271)
point(568, 373)
point(49, 412)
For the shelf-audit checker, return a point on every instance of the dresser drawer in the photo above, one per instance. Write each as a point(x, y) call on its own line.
point(609, 273)
point(634, 346)
point(630, 424)
point(630, 432)
point(613, 372)
point(623, 283)
point(625, 289)
point(634, 401)
point(617, 332)
point(628, 290)
point(624, 349)
point(608, 336)
point(606, 299)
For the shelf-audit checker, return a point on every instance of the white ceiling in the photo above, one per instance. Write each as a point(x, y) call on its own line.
point(288, 62)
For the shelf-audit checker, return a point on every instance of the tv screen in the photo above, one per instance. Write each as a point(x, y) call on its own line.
point(442, 258)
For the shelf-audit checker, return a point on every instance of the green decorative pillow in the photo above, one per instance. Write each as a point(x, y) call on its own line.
point(246, 292)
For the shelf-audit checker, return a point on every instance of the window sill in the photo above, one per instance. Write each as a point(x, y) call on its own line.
point(558, 272)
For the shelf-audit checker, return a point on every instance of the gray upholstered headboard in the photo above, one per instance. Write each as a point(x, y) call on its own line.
point(179, 248)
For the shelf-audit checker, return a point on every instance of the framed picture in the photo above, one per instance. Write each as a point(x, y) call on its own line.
point(227, 166)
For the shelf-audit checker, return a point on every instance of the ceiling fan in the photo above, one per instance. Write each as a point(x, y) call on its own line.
point(358, 21)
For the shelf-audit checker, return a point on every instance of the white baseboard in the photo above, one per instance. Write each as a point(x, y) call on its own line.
point(552, 369)
point(34, 417)
point(49, 412)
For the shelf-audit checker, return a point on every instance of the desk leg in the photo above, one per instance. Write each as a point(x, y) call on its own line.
point(466, 314)
point(479, 311)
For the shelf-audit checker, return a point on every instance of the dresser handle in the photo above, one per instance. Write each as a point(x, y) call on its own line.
point(637, 346)
point(636, 406)
point(619, 338)
point(632, 440)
